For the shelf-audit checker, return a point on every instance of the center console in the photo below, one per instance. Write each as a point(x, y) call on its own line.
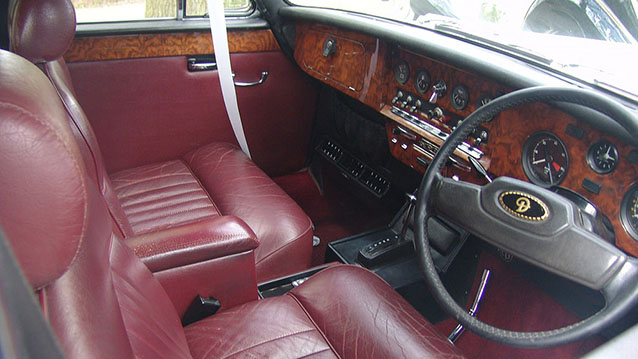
point(389, 251)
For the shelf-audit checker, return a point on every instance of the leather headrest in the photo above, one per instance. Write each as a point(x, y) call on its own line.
point(43, 181)
point(41, 30)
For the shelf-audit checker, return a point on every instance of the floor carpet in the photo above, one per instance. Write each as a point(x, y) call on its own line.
point(337, 213)
point(511, 302)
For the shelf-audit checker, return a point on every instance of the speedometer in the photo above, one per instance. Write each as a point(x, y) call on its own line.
point(629, 212)
point(545, 159)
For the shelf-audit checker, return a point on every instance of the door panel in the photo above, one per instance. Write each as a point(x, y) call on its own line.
point(145, 106)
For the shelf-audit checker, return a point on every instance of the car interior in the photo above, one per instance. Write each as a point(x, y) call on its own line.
point(406, 194)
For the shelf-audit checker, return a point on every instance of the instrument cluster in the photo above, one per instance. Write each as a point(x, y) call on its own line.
point(545, 157)
point(545, 160)
point(459, 96)
point(428, 93)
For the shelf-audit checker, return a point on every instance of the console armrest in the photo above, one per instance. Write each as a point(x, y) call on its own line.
point(192, 243)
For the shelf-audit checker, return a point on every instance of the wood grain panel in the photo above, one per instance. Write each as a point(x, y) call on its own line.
point(345, 67)
point(361, 77)
point(101, 48)
point(512, 128)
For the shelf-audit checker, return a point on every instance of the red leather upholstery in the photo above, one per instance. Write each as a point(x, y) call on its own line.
point(102, 302)
point(166, 195)
point(341, 312)
point(197, 242)
point(34, 37)
point(230, 279)
point(31, 126)
point(395, 330)
point(241, 189)
point(161, 196)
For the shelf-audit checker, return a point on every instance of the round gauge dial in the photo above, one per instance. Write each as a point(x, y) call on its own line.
point(602, 157)
point(629, 212)
point(402, 72)
point(545, 159)
point(422, 81)
point(460, 97)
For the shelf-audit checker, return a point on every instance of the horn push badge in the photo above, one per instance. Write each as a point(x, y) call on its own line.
point(523, 205)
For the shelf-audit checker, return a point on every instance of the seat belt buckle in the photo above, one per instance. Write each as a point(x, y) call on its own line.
point(199, 309)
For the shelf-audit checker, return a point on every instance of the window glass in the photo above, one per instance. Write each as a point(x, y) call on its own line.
point(594, 40)
point(123, 10)
point(233, 7)
point(127, 10)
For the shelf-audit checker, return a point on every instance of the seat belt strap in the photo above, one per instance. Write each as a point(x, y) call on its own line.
point(219, 36)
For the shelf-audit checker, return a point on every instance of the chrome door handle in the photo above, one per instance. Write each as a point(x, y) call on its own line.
point(201, 66)
point(264, 76)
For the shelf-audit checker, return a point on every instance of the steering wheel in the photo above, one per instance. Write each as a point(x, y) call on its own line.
point(529, 221)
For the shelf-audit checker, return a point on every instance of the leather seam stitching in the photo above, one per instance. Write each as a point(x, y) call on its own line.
point(315, 353)
point(159, 249)
point(286, 245)
point(72, 116)
point(201, 185)
point(127, 195)
point(301, 306)
point(134, 182)
point(171, 214)
point(144, 201)
point(268, 341)
point(164, 206)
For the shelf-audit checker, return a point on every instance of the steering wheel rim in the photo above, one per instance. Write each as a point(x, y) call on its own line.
point(619, 288)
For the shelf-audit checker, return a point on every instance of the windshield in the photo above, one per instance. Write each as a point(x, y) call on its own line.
point(593, 40)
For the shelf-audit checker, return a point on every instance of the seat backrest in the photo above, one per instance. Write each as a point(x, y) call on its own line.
point(41, 31)
point(100, 300)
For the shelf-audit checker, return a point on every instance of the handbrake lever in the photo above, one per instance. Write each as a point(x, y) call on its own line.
point(475, 305)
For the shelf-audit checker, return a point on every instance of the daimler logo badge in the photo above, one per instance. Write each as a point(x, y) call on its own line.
point(523, 205)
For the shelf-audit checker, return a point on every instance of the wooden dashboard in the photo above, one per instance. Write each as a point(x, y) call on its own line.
point(371, 70)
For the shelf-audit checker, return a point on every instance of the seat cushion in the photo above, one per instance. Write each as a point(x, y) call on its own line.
point(161, 196)
point(322, 319)
point(274, 327)
point(239, 188)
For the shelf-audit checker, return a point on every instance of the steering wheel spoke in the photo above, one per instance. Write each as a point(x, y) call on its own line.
point(553, 239)
point(533, 223)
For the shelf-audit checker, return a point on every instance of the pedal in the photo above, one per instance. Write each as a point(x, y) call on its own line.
point(475, 305)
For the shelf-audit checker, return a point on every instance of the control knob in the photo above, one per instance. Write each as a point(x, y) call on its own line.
point(438, 90)
point(417, 105)
point(482, 137)
point(398, 96)
point(406, 102)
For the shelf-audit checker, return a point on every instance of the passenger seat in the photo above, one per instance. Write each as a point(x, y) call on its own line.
point(217, 179)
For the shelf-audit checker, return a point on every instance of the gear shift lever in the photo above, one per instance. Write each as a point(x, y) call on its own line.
point(389, 247)
point(406, 220)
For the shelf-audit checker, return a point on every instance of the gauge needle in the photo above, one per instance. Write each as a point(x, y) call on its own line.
point(538, 161)
point(548, 166)
point(607, 157)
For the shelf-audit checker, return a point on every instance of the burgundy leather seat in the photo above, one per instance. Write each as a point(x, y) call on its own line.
point(217, 179)
point(102, 302)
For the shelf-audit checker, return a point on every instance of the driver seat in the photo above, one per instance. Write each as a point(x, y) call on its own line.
point(102, 302)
